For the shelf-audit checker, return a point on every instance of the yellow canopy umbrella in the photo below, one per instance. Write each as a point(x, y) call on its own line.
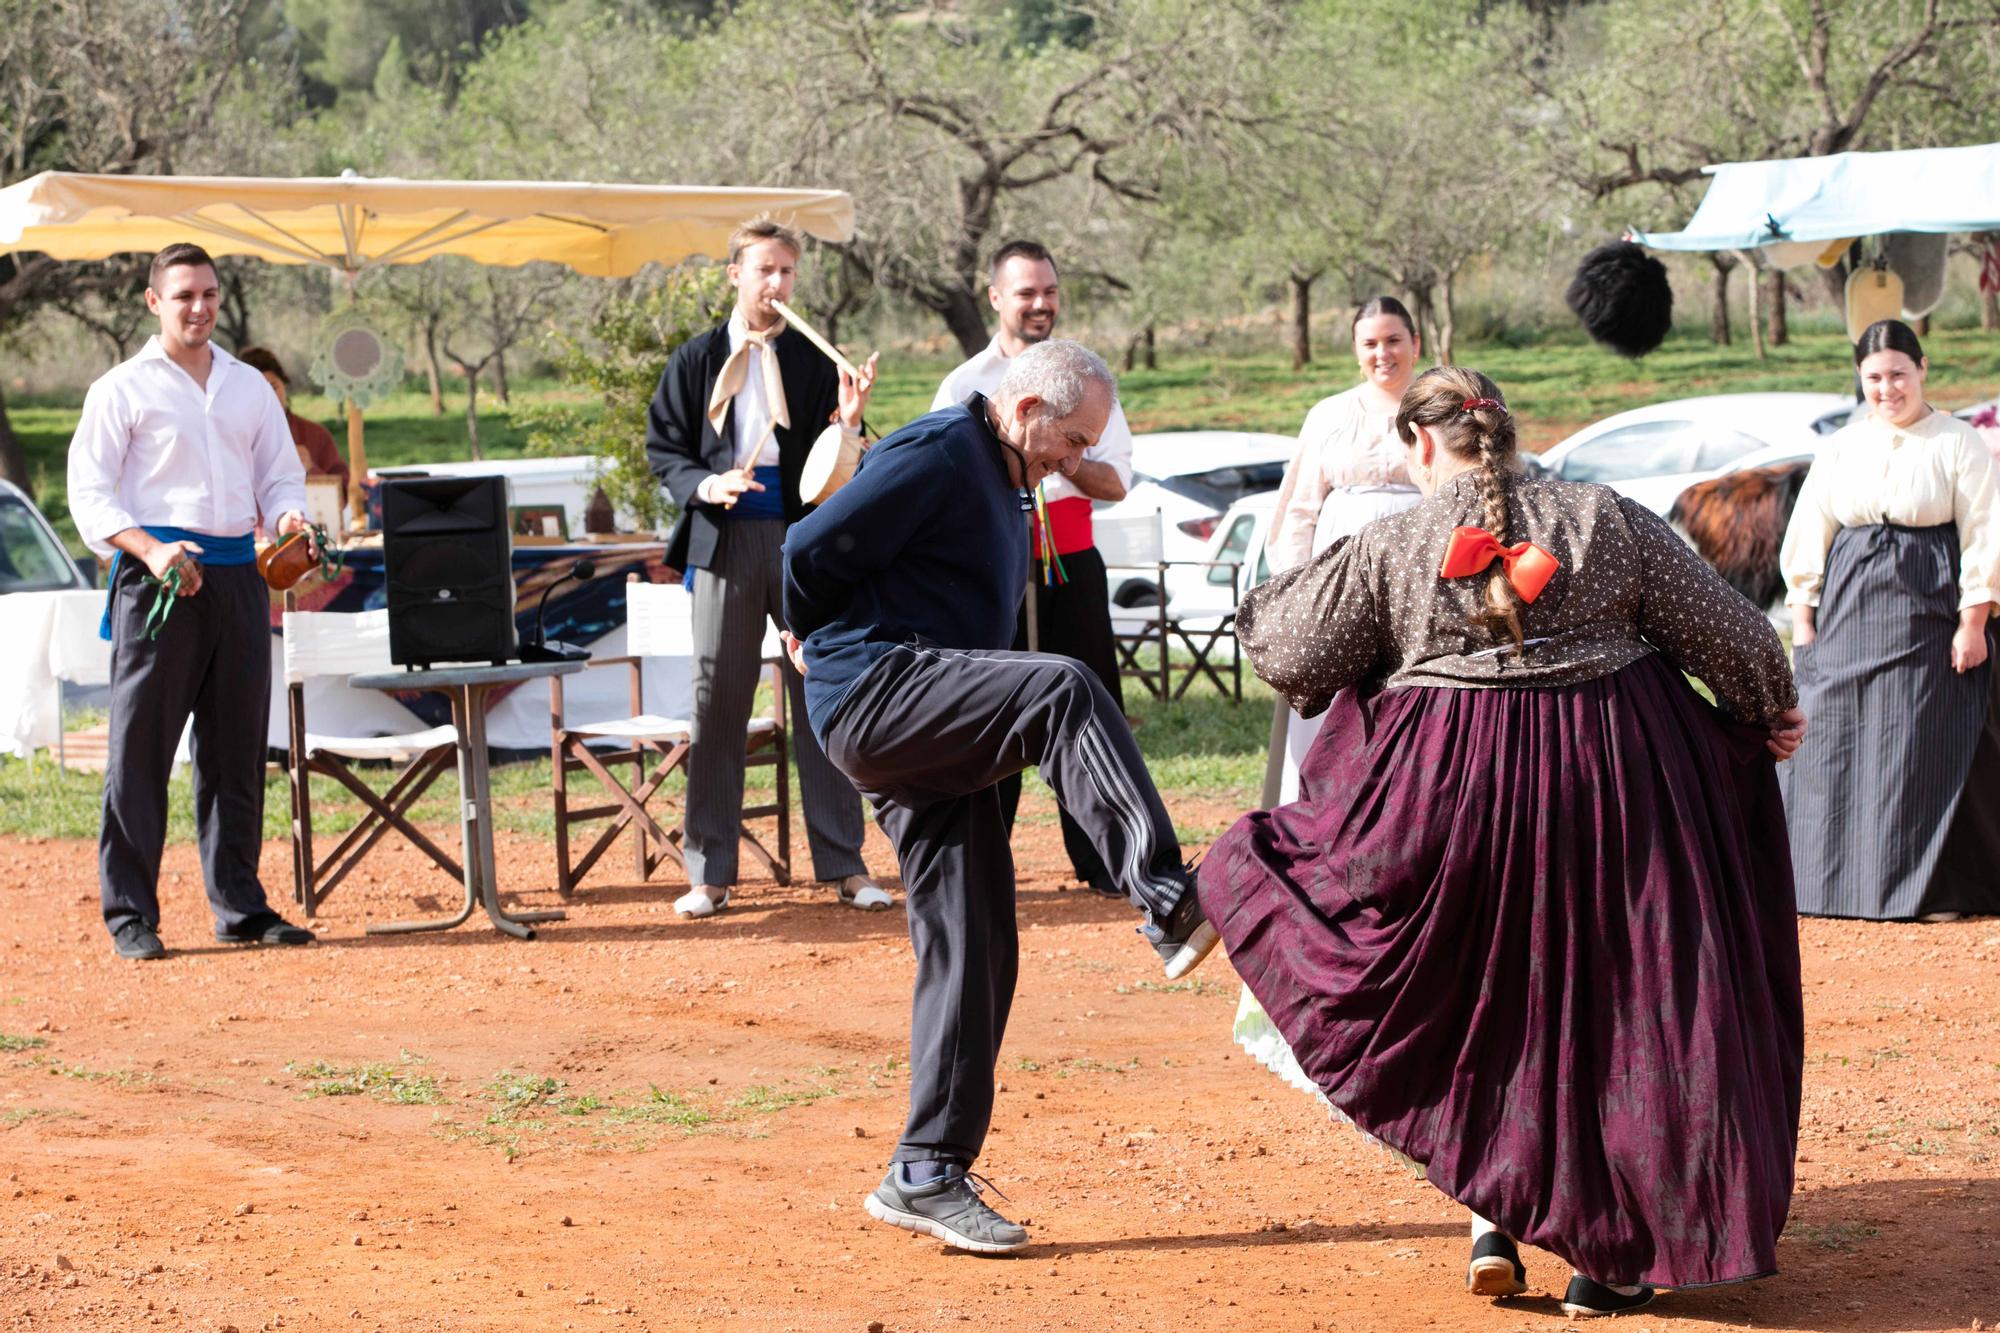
point(352, 223)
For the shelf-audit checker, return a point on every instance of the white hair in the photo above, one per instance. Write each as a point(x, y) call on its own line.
point(1059, 373)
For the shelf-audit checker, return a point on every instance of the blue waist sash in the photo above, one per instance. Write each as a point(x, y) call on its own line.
point(767, 503)
point(218, 551)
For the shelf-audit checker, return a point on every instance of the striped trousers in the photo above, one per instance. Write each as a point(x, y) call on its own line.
point(732, 599)
point(925, 734)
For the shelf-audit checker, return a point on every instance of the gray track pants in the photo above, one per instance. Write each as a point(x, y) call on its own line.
point(925, 735)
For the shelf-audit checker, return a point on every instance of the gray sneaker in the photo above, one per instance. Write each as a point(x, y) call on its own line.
point(1185, 939)
point(949, 1209)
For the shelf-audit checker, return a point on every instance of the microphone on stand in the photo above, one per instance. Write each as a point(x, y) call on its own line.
point(541, 650)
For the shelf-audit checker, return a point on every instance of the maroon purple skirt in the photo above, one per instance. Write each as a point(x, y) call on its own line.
point(1543, 942)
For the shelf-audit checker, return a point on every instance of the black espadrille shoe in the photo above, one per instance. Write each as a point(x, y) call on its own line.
point(1496, 1269)
point(1585, 1298)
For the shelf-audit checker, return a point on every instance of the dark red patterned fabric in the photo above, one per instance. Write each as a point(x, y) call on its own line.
point(1542, 942)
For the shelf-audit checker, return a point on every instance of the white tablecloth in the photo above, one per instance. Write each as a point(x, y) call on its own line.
point(48, 637)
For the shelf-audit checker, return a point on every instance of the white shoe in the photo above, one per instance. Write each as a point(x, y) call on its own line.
point(700, 901)
point(863, 894)
point(1940, 918)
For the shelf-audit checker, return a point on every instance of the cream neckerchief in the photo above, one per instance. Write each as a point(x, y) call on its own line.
point(736, 373)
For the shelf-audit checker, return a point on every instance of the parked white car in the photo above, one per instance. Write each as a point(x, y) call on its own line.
point(1198, 591)
point(1191, 477)
point(1654, 453)
point(32, 557)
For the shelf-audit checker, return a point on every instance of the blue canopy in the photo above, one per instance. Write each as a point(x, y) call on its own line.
point(1753, 204)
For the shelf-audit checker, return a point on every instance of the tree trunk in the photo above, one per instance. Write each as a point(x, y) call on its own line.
point(1756, 285)
point(433, 369)
point(963, 313)
point(1922, 327)
point(472, 410)
point(13, 458)
point(1152, 357)
point(1302, 305)
point(1779, 333)
point(1447, 322)
point(1718, 315)
point(500, 379)
point(1989, 312)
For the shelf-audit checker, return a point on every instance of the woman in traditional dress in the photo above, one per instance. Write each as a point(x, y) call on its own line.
point(1526, 924)
point(1348, 472)
point(1892, 564)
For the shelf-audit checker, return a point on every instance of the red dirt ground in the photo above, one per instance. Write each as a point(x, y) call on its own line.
point(161, 1166)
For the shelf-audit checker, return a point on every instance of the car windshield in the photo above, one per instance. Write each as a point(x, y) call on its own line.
point(1222, 487)
point(30, 560)
point(1656, 449)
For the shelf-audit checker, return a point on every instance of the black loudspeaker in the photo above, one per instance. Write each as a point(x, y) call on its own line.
point(448, 556)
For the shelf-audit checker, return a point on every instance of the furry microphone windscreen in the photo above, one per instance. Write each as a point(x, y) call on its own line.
point(1621, 294)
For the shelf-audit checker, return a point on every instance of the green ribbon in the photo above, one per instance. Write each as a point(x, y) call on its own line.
point(331, 558)
point(166, 592)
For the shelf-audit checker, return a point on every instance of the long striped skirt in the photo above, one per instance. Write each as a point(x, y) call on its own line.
point(1889, 815)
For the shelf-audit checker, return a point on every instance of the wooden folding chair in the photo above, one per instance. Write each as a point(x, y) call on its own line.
point(335, 643)
point(659, 625)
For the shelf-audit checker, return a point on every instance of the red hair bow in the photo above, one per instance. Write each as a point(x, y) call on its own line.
point(1528, 567)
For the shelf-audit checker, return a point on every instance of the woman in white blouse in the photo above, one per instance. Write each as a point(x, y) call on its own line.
point(1892, 566)
point(1348, 471)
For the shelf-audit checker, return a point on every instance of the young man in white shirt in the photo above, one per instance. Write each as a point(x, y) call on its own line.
point(177, 455)
point(1072, 596)
point(734, 419)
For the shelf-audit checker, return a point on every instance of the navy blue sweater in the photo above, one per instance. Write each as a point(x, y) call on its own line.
point(927, 541)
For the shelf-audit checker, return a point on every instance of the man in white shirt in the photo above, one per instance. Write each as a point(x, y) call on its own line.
point(734, 419)
point(177, 455)
point(1072, 597)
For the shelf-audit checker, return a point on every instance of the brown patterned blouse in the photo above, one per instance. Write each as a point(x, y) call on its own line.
point(1372, 607)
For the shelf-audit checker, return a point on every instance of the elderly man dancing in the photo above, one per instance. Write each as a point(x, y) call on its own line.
point(903, 590)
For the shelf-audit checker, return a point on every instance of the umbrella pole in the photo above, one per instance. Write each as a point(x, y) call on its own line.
point(357, 467)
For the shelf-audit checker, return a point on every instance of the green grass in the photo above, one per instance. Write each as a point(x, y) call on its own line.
point(10, 1042)
point(1556, 384)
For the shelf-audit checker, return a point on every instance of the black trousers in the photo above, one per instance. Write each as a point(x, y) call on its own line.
point(925, 735)
point(1072, 619)
point(212, 659)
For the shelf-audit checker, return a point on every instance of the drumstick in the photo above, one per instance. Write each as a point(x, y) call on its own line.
point(793, 318)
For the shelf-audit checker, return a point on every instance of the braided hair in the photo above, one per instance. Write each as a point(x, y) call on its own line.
point(1467, 417)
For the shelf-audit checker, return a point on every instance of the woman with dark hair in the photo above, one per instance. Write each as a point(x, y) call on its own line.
point(1526, 925)
point(1892, 565)
point(1348, 472)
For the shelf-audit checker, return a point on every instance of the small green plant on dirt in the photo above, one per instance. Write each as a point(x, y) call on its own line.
point(660, 1107)
point(1843, 1236)
point(22, 1114)
point(446, 1130)
point(124, 1078)
point(764, 1099)
point(1024, 1065)
point(383, 1082)
point(10, 1042)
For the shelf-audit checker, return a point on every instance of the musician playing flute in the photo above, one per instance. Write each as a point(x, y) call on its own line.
point(735, 416)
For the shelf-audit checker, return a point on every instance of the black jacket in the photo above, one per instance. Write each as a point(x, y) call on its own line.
point(682, 447)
